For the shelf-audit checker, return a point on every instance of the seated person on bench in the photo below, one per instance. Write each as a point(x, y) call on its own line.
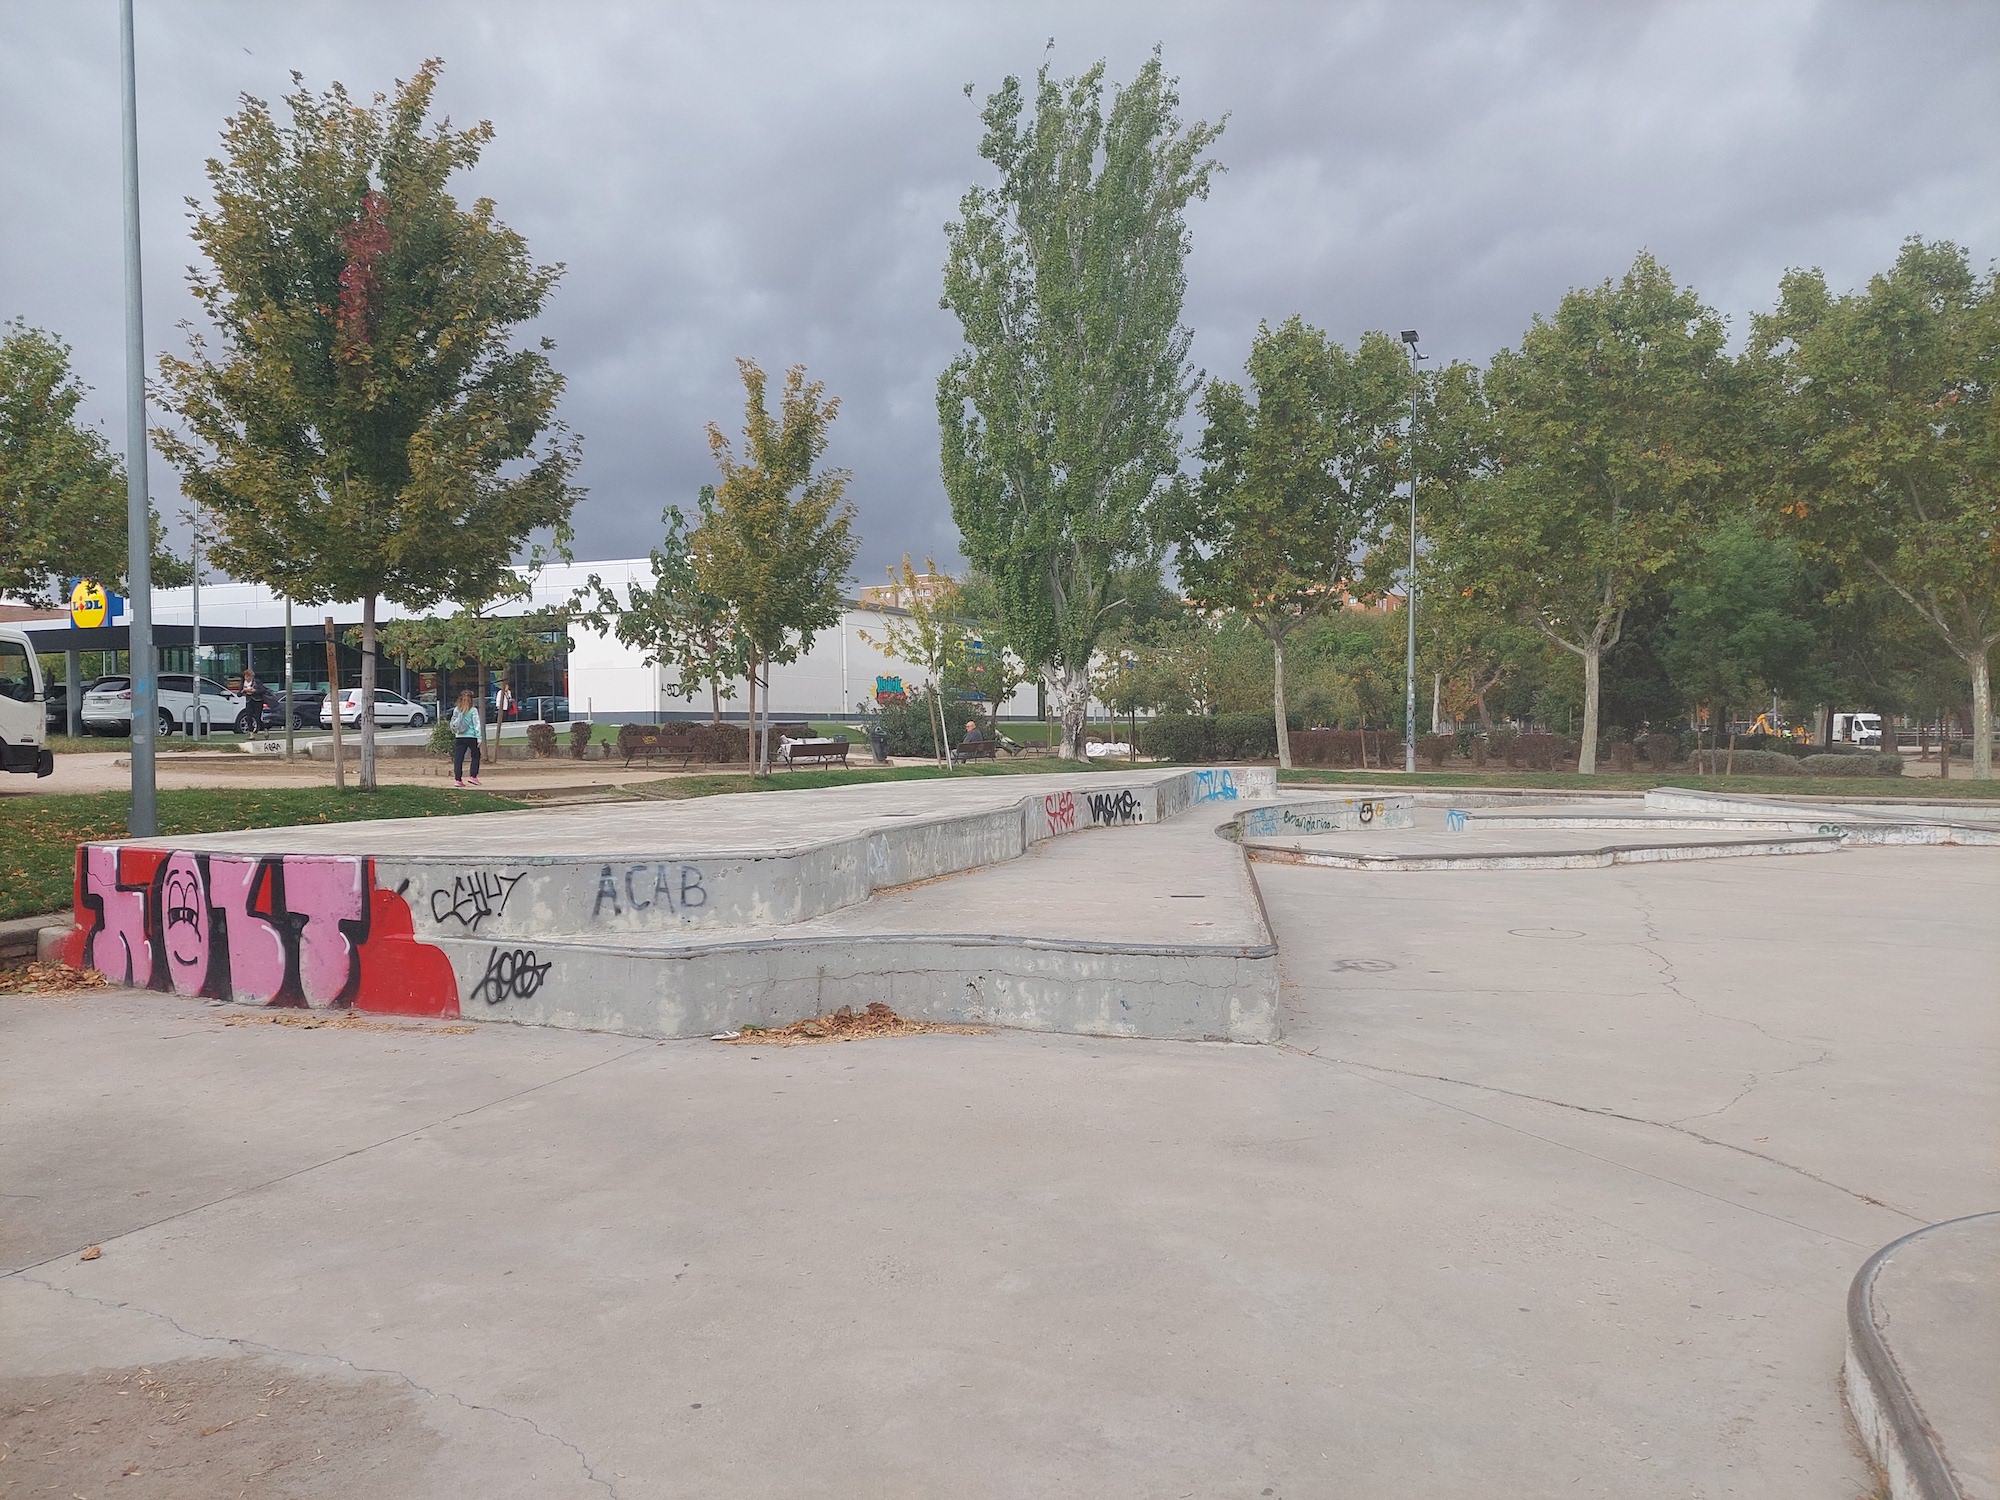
point(975, 745)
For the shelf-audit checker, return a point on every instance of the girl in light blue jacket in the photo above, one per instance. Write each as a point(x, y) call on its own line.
point(468, 728)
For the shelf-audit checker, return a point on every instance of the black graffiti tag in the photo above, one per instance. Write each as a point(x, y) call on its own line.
point(670, 888)
point(511, 974)
point(473, 898)
point(1113, 807)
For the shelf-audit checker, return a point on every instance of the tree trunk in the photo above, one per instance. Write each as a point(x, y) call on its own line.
point(1982, 716)
point(1072, 691)
point(367, 693)
point(1278, 702)
point(755, 759)
point(715, 703)
point(1593, 692)
point(943, 746)
point(1887, 744)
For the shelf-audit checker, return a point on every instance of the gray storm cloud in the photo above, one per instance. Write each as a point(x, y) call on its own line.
point(772, 180)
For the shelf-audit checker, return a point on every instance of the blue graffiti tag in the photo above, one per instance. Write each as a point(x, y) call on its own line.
point(1214, 786)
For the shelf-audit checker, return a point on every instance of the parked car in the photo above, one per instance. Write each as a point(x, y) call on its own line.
point(390, 708)
point(107, 706)
point(266, 711)
point(55, 706)
point(547, 710)
point(23, 732)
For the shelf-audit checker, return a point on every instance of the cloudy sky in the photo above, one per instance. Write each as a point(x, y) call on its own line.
point(771, 180)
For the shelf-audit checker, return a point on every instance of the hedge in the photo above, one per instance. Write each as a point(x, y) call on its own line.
point(1746, 763)
point(1344, 747)
point(1852, 765)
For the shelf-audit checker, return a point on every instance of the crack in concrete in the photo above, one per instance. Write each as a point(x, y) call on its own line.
point(257, 1346)
point(1671, 982)
point(1612, 1114)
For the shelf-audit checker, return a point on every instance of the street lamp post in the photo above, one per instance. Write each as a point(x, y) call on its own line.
point(143, 821)
point(1410, 579)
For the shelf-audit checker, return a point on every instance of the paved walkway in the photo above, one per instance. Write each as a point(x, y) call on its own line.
point(1556, 1188)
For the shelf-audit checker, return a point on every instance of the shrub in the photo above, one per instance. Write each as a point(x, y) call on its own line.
point(440, 739)
point(1501, 742)
point(1661, 750)
point(1245, 737)
point(1182, 738)
point(542, 740)
point(1852, 765)
point(1437, 748)
point(1747, 763)
point(1622, 755)
point(1479, 752)
point(1542, 752)
point(579, 738)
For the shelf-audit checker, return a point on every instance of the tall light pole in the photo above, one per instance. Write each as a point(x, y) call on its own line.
point(1410, 580)
point(144, 820)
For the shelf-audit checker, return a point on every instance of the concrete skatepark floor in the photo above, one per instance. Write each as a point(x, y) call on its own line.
point(1555, 1185)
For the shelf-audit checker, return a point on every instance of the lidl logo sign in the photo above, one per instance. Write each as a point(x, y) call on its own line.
point(89, 606)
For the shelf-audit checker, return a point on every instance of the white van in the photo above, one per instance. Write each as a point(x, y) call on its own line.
point(23, 723)
point(1857, 729)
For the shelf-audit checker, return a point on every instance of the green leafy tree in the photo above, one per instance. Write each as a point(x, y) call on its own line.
point(990, 667)
point(1742, 621)
point(1293, 484)
point(365, 427)
point(1060, 420)
point(1891, 444)
point(676, 622)
point(1611, 441)
point(928, 634)
point(62, 489)
point(776, 544)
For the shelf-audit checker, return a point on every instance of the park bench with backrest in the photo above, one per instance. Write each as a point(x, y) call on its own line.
point(815, 751)
point(652, 742)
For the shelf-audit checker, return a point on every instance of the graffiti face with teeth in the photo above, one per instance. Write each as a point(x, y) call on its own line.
point(184, 918)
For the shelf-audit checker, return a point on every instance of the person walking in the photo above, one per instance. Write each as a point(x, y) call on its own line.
point(468, 728)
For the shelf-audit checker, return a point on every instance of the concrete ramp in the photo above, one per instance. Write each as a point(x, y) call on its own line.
point(682, 918)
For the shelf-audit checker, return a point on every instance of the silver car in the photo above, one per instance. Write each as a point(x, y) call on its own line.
point(390, 708)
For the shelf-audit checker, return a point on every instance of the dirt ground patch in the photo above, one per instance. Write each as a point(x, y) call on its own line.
point(337, 1020)
point(206, 1429)
point(844, 1025)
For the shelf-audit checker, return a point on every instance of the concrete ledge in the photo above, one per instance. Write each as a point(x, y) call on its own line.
point(21, 939)
point(1926, 1413)
point(1565, 859)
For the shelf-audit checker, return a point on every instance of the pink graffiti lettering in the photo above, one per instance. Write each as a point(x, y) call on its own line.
point(119, 949)
point(184, 920)
point(256, 947)
point(1060, 809)
point(326, 892)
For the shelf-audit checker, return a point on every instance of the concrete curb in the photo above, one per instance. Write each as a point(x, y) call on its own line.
point(21, 939)
point(1885, 1409)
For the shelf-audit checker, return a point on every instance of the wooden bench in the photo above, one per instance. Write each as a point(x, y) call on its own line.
point(650, 743)
point(814, 752)
point(976, 750)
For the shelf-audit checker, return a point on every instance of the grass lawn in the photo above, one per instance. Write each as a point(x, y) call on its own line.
point(672, 788)
point(1922, 788)
point(39, 834)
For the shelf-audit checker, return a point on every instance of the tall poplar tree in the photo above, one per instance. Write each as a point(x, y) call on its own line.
point(365, 426)
point(1060, 420)
point(1293, 485)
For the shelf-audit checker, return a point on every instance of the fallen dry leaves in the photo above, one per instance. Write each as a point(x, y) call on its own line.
point(338, 1020)
point(843, 1025)
point(48, 979)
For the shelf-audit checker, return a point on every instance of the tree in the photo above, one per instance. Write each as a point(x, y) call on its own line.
point(1060, 420)
point(1292, 485)
point(1742, 621)
point(1473, 647)
point(366, 428)
point(990, 667)
point(1892, 445)
point(1610, 443)
point(473, 635)
point(62, 489)
point(778, 541)
point(677, 622)
point(928, 634)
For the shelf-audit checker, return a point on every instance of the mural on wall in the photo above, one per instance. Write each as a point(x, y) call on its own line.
point(287, 930)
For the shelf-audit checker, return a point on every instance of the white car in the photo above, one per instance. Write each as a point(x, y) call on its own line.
point(107, 707)
point(390, 708)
